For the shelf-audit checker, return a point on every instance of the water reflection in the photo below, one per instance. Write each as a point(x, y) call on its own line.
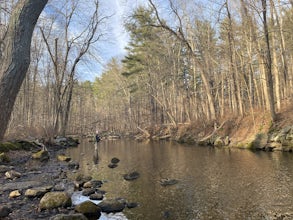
point(213, 183)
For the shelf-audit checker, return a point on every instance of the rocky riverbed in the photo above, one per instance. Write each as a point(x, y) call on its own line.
point(35, 184)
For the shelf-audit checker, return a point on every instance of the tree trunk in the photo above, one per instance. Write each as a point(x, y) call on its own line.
point(16, 55)
point(268, 72)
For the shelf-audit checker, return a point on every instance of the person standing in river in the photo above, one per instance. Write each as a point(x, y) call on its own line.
point(96, 153)
point(97, 136)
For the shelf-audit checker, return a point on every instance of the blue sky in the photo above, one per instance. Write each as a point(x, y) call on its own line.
point(116, 38)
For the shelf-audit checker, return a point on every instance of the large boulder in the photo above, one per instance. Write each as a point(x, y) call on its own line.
point(89, 209)
point(111, 205)
point(53, 200)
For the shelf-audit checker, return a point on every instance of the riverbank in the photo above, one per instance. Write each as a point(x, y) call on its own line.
point(254, 131)
point(38, 183)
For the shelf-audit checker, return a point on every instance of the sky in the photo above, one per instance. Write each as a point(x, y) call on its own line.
point(116, 37)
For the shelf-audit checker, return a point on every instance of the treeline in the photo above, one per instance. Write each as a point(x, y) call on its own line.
point(186, 62)
point(190, 62)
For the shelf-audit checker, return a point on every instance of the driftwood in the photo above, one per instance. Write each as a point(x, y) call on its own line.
point(213, 133)
point(145, 132)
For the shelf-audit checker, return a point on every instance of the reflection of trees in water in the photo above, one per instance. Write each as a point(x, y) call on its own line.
point(96, 154)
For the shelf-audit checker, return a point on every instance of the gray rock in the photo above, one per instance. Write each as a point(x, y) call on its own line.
point(12, 174)
point(4, 168)
point(115, 160)
point(168, 182)
point(73, 165)
point(69, 217)
point(87, 192)
point(89, 209)
point(4, 211)
point(111, 205)
point(131, 176)
point(97, 196)
point(112, 165)
point(55, 200)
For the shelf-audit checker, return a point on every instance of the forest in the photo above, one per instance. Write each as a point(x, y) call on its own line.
point(187, 62)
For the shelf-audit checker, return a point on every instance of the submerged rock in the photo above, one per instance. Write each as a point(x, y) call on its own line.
point(112, 165)
point(54, 200)
point(168, 182)
point(115, 160)
point(131, 176)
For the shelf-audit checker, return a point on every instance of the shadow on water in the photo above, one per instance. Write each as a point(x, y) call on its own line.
point(212, 183)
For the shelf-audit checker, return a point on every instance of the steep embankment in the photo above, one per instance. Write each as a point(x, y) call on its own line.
point(253, 131)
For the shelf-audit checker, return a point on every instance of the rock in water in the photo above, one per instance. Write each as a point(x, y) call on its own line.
point(53, 200)
point(115, 160)
point(168, 182)
point(131, 176)
point(89, 209)
point(111, 205)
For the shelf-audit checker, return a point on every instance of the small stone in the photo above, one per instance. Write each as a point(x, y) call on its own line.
point(112, 165)
point(87, 192)
point(73, 165)
point(63, 158)
point(14, 194)
point(97, 196)
point(131, 176)
point(131, 205)
point(111, 205)
point(37, 192)
point(12, 174)
point(115, 160)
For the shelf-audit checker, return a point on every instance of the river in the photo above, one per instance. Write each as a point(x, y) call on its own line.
point(212, 183)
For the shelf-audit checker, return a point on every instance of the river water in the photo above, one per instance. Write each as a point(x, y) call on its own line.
point(212, 183)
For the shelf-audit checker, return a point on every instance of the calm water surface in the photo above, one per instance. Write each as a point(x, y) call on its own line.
point(213, 183)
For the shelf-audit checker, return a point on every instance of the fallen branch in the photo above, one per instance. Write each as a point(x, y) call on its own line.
point(215, 131)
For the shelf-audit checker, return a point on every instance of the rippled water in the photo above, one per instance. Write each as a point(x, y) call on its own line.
point(213, 183)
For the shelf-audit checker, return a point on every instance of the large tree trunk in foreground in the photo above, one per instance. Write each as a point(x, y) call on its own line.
point(15, 58)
